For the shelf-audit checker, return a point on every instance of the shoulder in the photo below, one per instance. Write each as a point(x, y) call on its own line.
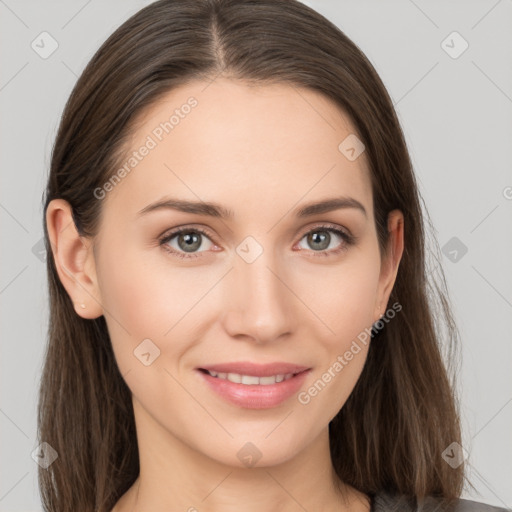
point(386, 502)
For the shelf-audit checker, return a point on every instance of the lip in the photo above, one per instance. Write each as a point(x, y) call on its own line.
point(255, 369)
point(256, 396)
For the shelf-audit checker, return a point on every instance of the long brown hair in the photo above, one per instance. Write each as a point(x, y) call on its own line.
point(402, 413)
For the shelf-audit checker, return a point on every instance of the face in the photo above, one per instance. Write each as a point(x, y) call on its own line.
point(261, 285)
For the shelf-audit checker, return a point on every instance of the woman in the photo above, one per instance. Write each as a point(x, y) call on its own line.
point(239, 305)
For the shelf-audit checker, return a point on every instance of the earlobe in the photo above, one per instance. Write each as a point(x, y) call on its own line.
point(391, 260)
point(74, 259)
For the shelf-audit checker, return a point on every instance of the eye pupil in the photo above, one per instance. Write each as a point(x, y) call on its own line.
point(323, 239)
point(192, 241)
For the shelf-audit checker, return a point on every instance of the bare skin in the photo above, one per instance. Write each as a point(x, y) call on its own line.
point(262, 152)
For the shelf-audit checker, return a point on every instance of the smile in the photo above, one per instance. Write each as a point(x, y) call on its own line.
point(254, 392)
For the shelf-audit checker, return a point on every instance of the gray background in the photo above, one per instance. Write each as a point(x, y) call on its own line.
point(455, 112)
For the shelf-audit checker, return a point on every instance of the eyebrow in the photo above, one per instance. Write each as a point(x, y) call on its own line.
point(217, 210)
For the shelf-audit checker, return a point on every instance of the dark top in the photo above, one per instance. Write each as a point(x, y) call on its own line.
point(385, 502)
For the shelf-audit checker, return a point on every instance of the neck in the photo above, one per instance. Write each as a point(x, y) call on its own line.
point(175, 476)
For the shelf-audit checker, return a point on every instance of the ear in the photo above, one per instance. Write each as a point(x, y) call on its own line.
point(390, 261)
point(74, 259)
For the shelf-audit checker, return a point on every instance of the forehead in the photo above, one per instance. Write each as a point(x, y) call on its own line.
point(241, 145)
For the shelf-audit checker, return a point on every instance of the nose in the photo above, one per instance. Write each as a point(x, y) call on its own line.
point(259, 303)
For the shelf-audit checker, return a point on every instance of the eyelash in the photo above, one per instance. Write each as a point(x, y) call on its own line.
point(348, 240)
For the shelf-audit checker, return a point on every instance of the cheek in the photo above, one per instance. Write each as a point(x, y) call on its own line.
point(342, 297)
point(146, 296)
point(129, 293)
point(343, 337)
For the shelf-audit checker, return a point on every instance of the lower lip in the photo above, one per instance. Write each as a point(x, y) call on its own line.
point(255, 396)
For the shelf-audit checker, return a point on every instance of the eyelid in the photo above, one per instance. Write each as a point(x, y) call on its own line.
point(327, 226)
point(188, 227)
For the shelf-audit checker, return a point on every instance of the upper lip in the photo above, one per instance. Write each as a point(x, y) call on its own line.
point(255, 369)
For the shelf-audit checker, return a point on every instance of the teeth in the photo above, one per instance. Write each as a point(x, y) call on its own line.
point(251, 380)
point(246, 379)
point(235, 377)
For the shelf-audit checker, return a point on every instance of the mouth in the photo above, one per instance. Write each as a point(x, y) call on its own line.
point(254, 391)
